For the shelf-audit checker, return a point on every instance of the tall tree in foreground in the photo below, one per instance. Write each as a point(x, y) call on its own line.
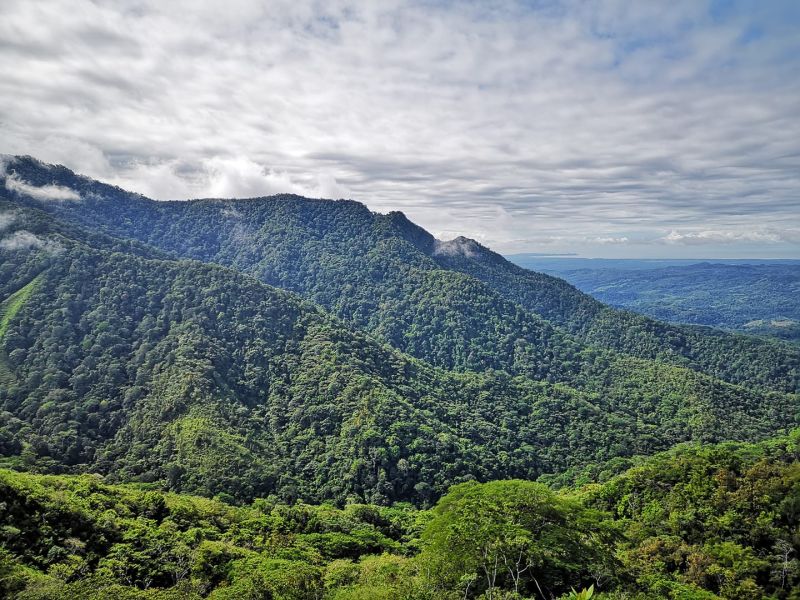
point(513, 535)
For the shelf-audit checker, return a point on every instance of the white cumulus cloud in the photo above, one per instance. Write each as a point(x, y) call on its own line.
point(610, 240)
point(6, 220)
point(240, 177)
point(25, 240)
point(720, 237)
point(44, 192)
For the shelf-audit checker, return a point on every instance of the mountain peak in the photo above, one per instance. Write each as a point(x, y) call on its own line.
point(460, 246)
point(468, 248)
point(410, 231)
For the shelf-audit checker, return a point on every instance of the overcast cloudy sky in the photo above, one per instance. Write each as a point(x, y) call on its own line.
point(606, 128)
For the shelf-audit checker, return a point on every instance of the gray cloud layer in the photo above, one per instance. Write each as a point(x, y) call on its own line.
point(600, 127)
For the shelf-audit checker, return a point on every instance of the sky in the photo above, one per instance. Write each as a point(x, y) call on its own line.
point(602, 128)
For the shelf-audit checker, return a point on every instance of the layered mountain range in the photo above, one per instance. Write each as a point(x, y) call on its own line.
point(314, 349)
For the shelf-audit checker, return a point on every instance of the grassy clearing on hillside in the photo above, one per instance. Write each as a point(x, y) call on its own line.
point(8, 310)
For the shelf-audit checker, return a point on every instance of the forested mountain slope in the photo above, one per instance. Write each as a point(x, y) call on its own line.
point(203, 379)
point(734, 358)
point(456, 305)
point(692, 524)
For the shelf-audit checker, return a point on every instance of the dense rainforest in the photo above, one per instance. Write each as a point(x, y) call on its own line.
point(359, 410)
point(696, 523)
point(209, 381)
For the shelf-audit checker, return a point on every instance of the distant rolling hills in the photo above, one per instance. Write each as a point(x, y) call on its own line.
point(753, 296)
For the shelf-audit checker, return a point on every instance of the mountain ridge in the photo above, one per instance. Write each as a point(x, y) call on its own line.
point(315, 247)
point(204, 379)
